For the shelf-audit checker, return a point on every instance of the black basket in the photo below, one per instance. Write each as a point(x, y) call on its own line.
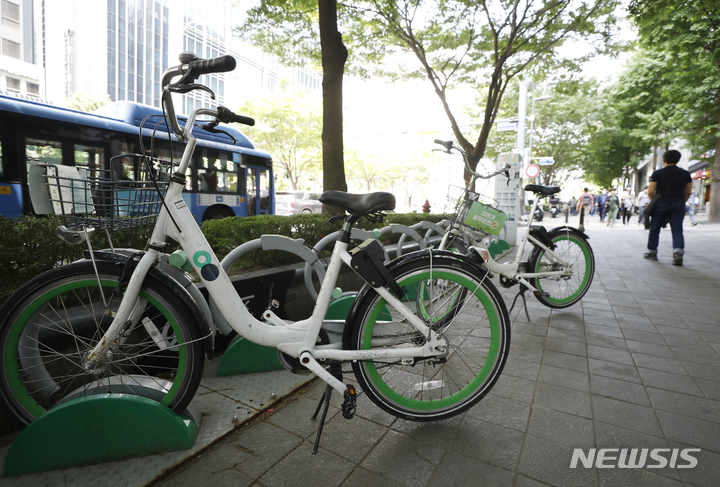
point(457, 207)
point(83, 197)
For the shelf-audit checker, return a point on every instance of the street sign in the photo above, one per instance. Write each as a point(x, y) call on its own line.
point(532, 171)
point(507, 126)
point(546, 161)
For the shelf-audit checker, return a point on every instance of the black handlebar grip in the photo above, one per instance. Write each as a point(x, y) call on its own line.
point(448, 145)
point(217, 65)
point(225, 115)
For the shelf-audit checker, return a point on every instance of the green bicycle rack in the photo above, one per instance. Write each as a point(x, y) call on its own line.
point(100, 428)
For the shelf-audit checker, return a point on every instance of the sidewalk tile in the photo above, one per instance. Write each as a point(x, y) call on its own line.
point(549, 462)
point(562, 428)
point(457, 469)
point(610, 354)
point(502, 411)
point(564, 377)
point(619, 389)
point(691, 406)
point(659, 363)
point(690, 431)
point(613, 370)
point(563, 399)
point(626, 415)
point(670, 382)
point(402, 459)
point(302, 469)
point(490, 443)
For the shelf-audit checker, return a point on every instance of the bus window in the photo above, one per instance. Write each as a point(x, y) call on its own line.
point(49, 151)
point(2, 170)
point(208, 180)
point(216, 173)
point(188, 179)
point(89, 157)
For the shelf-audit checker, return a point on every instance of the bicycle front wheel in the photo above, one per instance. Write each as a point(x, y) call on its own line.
point(565, 290)
point(456, 301)
point(51, 323)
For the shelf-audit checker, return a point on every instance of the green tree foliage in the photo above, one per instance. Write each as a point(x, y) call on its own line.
point(687, 32)
point(479, 44)
point(483, 45)
point(289, 126)
point(563, 126)
point(632, 121)
point(85, 102)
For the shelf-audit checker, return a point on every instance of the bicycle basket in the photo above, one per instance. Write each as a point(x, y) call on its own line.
point(475, 214)
point(126, 196)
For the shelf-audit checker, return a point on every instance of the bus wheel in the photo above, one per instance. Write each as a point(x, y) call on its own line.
point(217, 213)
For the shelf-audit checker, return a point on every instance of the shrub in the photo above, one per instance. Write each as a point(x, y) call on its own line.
point(29, 247)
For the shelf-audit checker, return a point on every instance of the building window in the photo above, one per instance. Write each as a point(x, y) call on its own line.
point(10, 48)
point(13, 84)
point(10, 14)
point(33, 89)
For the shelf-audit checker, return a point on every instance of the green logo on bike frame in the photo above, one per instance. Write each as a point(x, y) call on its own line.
point(485, 218)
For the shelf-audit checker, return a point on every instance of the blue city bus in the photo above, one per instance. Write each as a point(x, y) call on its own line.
point(225, 178)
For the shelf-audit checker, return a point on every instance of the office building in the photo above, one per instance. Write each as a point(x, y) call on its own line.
point(19, 71)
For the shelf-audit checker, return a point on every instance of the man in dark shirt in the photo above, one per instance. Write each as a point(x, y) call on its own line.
point(675, 186)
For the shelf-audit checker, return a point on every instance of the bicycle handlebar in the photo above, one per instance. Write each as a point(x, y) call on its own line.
point(190, 69)
point(449, 145)
point(218, 65)
point(225, 115)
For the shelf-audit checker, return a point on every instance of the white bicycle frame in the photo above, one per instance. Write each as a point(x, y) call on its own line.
point(297, 339)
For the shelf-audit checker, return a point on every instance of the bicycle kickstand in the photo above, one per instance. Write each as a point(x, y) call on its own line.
point(521, 294)
point(348, 406)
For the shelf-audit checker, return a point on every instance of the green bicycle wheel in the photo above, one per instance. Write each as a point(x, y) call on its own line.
point(50, 324)
point(459, 303)
point(568, 289)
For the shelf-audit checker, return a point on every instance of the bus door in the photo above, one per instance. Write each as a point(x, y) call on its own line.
point(259, 191)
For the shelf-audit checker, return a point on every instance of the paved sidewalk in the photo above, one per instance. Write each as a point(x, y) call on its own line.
point(636, 365)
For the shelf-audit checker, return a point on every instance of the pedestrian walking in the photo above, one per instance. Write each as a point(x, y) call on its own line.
point(642, 200)
point(602, 205)
point(690, 205)
point(585, 201)
point(674, 184)
point(573, 206)
point(627, 208)
point(613, 206)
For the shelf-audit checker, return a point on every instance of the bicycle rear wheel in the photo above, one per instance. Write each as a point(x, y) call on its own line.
point(458, 302)
point(49, 325)
point(563, 291)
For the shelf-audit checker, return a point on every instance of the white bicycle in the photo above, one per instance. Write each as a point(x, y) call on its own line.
point(561, 264)
point(428, 334)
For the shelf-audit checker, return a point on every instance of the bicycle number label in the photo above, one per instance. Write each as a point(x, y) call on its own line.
point(485, 218)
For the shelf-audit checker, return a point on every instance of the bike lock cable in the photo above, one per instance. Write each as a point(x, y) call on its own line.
point(148, 167)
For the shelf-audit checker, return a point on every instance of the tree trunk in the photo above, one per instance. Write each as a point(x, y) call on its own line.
point(334, 55)
point(714, 203)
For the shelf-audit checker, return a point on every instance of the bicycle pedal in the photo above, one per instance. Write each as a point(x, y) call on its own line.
point(543, 294)
point(349, 405)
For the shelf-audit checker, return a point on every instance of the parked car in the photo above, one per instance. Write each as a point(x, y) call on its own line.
point(294, 202)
